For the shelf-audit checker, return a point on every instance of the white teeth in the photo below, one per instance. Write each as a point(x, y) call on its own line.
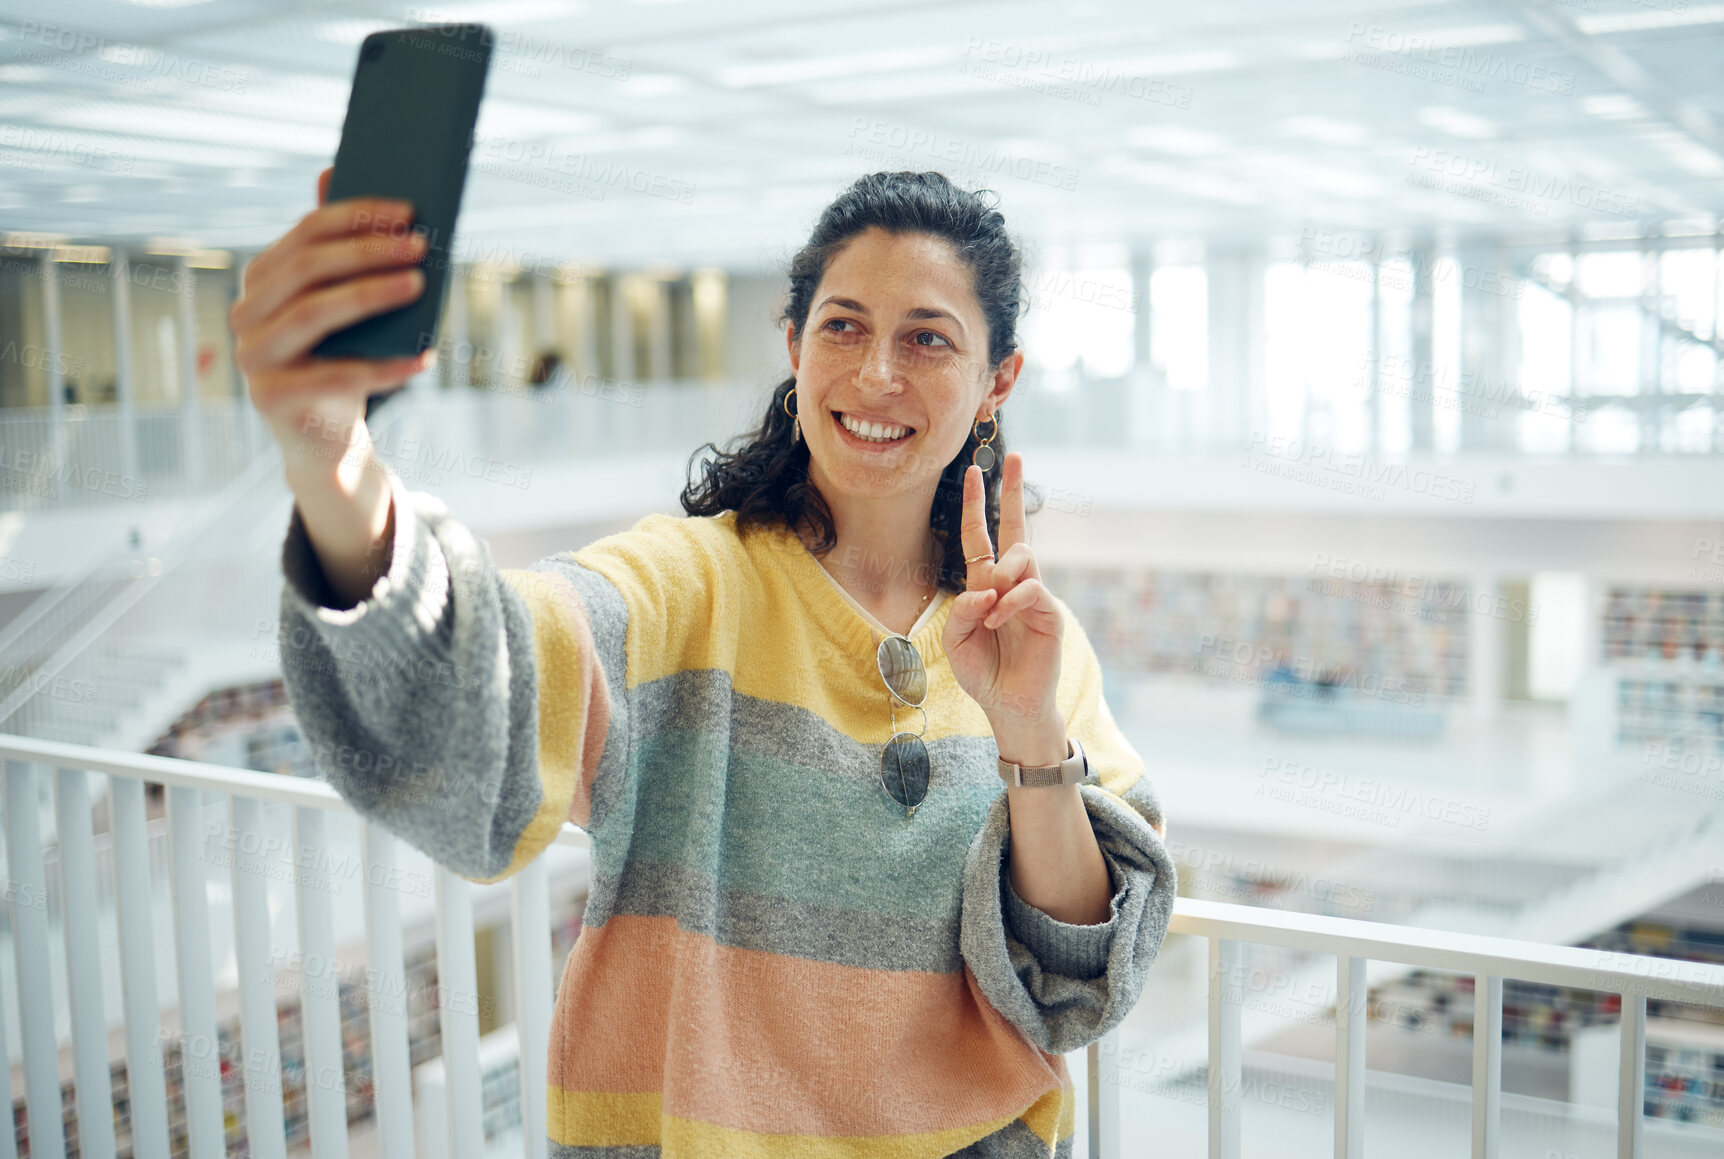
point(874, 432)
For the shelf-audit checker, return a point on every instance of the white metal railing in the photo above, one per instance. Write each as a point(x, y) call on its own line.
point(311, 803)
point(90, 454)
point(1490, 960)
point(1228, 928)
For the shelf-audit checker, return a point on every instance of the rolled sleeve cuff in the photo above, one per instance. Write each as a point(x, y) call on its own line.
point(403, 605)
point(1072, 951)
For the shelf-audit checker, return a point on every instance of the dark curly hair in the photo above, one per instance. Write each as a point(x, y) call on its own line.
point(765, 481)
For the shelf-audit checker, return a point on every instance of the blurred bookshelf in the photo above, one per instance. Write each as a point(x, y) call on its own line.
point(1665, 650)
point(1685, 1043)
point(1412, 633)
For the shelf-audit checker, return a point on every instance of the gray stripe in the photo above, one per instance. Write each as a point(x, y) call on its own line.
point(1141, 795)
point(751, 921)
point(1014, 1141)
point(558, 1150)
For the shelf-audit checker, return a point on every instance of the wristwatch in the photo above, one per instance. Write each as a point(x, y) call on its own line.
point(1071, 771)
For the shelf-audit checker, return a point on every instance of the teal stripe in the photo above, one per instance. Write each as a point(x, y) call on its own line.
point(769, 826)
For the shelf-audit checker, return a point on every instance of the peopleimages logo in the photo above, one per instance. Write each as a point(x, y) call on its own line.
point(1368, 798)
point(1520, 187)
point(1465, 63)
point(1349, 471)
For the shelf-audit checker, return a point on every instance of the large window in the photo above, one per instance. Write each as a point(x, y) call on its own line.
point(1320, 352)
point(1179, 323)
point(1081, 315)
point(1628, 335)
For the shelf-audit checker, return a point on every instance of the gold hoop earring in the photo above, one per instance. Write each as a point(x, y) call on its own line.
point(796, 420)
point(983, 456)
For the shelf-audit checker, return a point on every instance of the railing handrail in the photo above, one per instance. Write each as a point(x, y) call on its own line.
point(1591, 969)
point(188, 774)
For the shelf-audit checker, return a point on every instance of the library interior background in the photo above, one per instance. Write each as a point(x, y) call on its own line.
point(1373, 388)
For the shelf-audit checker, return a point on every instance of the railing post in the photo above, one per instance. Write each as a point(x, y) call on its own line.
point(9, 1136)
point(458, 1020)
point(29, 910)
point(1103, 1068)
point(125, 388)
point(391, 1063)
point(319, 995)
point(1631, 1077)
point(1487, 1064)
point(1224, 1051)
point(192, 423)
point(146, 1087)
point(200, 1059)
point(1350, 1023)
point(260, 1040)
point(84, 964)
point(529, 895)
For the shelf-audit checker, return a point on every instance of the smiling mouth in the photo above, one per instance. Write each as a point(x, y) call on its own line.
point(838, 420)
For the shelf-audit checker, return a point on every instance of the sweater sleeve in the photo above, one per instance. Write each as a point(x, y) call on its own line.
point(470, 710)
point(1065, 985)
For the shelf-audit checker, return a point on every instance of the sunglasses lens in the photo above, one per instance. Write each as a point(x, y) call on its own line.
point(904, 769)
point(901, 668)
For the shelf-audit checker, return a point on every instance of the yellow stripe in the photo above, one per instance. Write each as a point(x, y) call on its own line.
point(1053, 1116)
point(1087, 715)
point(601, 1119)
point(557, 660)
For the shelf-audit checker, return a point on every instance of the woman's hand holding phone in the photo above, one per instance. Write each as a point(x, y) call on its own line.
point(342, 262)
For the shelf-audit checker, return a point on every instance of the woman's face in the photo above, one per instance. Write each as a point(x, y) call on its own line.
point(894, 335)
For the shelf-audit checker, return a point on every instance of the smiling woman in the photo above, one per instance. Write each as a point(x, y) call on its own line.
point(812, 928)
point(903, 311)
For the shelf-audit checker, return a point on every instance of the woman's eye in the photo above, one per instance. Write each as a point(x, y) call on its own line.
point(932, 339)
point(831, 322)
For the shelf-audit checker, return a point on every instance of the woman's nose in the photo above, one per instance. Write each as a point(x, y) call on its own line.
point(877, 363)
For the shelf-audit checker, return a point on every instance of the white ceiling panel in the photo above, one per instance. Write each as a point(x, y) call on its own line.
point(1096, 122)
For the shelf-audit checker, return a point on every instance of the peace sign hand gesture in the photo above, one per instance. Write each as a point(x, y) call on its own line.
point(1004, 633)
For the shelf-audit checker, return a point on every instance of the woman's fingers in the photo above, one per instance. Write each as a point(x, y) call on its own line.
point(1012, 523)
point(973, 531)
point(1015, 563)
point(375, 221)
point(355, 376)
point(323, 185)
point(300, 325)
point(320, 263)
point(1026, 597)
point(372, 231)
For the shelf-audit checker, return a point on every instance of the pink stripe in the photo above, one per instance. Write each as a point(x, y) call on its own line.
point(774, 1044)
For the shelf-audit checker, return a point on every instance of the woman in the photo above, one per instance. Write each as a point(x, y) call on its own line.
point(816, 922)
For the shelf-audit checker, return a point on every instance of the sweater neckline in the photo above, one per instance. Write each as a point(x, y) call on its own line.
point(855, 627)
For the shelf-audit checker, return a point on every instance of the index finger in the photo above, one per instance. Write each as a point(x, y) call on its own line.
point(973, 531)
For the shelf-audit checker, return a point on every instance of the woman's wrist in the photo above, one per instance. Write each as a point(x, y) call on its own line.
point(1042, 742)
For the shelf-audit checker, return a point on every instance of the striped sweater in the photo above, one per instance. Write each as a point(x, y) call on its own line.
point(775, 961)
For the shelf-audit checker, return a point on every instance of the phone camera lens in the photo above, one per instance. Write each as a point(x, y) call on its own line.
point(373, 50)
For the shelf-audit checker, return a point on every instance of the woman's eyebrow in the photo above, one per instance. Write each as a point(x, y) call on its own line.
point(920, 313)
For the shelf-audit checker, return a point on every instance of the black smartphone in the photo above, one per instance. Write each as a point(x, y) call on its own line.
point(408, 134)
